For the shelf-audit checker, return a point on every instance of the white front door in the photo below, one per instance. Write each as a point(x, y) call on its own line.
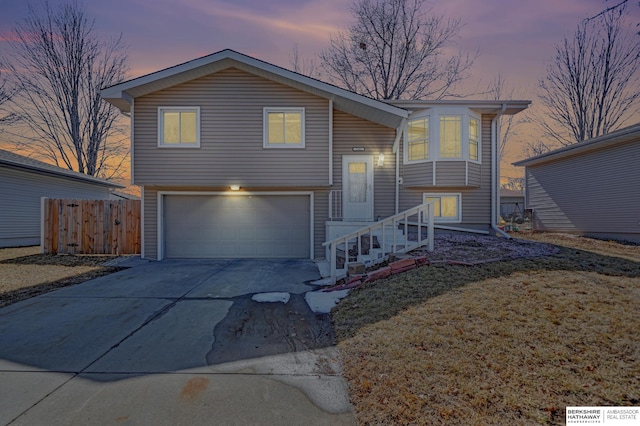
point(357, 187)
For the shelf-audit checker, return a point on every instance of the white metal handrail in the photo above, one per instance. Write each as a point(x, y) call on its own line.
point(424, 213)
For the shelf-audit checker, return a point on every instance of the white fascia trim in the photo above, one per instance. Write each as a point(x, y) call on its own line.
point(160, 208)
point(118, 90)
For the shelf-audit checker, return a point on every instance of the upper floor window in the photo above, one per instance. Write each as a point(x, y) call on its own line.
point(454, 133)
point(450, 136)
point(283, 128)
point(418, 139)
point(474, 129)
point(179, 127)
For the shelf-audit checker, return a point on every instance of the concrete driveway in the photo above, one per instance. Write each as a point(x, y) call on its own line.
point(229, 342)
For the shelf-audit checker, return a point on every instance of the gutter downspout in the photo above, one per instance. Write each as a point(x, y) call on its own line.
point(495, 169)
point(396, 150)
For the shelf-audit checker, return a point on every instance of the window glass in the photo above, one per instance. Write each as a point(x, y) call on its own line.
point(357, 182)
point(418, 139)
point(450, 136)
point(449, 207)
point(446, 208)
point(171, 127)
point(276, 127)
point(293, 126)
point(188, 127)
point(474, 125)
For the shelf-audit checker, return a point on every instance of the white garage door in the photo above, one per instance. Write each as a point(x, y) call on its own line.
point(236, 226)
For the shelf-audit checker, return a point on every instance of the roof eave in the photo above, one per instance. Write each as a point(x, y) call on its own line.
point(87, 179)
point(621, 136)
point(485, 106)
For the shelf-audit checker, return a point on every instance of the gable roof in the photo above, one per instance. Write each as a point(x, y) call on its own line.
point(10, 159)
point(618, 137)
point(122, 95)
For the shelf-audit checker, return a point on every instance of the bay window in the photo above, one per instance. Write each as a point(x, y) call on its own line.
point(454, 133)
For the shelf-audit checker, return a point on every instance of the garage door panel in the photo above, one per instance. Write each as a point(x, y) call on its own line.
point(220, 226)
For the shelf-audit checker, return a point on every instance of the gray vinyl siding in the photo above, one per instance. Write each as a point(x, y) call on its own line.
point(476, 195)
point(150, 218)
point(418, 175)
point(150, 200)
point(350, 132)
point(451, 173)
point(594, 193)
point(231, 146)
point(20, 194)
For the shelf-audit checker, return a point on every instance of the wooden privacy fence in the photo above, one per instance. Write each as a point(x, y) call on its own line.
point(90, 226)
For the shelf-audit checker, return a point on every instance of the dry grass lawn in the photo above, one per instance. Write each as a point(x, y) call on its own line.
point(606, 248)
point(15, 277)
point(12, 253)
point(512, 342)
point(25, 273)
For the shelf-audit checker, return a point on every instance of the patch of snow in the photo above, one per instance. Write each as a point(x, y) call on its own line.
point(271, 297)
point(322, 302)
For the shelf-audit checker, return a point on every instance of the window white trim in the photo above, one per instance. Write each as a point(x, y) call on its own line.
point(458, 195)
point(162, 111)
point(265, 127)
point(434, 115)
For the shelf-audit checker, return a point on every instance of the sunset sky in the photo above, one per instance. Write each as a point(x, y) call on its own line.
point(513, 37)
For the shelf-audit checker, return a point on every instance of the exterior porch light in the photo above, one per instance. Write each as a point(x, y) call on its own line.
point(381, 159)
point(235, 187)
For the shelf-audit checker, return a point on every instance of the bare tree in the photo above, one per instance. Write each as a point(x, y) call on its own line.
point(616, 5)
point(591, 86)
point(397, 49)
point(301, 65)
point(514, 184)
point(5, 95)
point(498, 89)
point(58, 65)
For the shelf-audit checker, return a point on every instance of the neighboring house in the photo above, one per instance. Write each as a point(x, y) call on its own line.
point(591, 188)
point(24, 181)
point(118, 195)
point(511, 204)
point(237, 157)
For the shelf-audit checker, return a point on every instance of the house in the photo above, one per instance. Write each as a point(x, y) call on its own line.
point(511, 204)
point(237, 158)
point(591, 188)
point(24, 181)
